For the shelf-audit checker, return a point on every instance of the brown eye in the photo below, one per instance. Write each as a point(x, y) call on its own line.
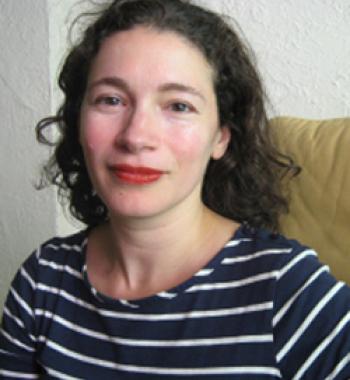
point(109, 100)
point(180, 107)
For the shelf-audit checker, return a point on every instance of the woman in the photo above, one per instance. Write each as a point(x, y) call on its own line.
point(165, 156)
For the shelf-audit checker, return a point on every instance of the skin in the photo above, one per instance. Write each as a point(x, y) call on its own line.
point(150, 102)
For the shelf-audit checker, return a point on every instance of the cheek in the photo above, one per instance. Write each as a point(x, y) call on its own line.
point(94, 134)
point(189, 146)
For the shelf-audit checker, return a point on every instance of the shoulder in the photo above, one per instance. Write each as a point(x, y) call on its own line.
point(73, 243)
point(271, 249)
point(61, 249)
point(53, 257)
point(310, 308)
point(259, 238)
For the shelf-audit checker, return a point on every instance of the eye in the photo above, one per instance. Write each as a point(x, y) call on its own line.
point(109, 100)
point(109, 103)
point(181, 107)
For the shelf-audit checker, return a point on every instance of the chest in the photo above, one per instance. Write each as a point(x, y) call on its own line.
point(216, 335)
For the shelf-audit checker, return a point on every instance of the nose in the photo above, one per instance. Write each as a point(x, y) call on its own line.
point(139, 131)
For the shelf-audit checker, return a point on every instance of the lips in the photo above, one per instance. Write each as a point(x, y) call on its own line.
point(136, 174)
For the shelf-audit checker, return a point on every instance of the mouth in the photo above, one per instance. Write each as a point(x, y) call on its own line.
point(136, 174)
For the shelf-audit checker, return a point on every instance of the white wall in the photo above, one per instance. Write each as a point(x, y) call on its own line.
point(27, 217)
point(303, 51)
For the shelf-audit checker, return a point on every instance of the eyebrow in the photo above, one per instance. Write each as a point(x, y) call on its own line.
point(110, 81)
point(182, 88)
point(166, 87)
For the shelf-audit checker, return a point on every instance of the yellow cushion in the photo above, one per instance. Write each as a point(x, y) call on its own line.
point(320, 196)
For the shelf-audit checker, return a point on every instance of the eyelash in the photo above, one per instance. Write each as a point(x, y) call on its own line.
point(176, 105)
point(116, 101)
point(109, 101)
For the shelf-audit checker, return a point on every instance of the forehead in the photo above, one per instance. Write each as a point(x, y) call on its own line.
point(147, 54)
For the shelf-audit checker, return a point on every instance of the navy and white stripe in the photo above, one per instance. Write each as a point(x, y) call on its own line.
point(264, 307)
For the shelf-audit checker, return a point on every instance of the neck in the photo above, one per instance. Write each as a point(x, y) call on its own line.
point(148, 240)
point(147, 256)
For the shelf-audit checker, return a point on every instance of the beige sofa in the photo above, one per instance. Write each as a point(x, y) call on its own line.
point(320, 196)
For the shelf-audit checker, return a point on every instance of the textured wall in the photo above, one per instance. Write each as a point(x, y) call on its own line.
point(27, 216)
point(303, 51)
point(61, 14)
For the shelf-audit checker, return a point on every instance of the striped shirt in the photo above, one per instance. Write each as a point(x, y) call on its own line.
point(262, 308)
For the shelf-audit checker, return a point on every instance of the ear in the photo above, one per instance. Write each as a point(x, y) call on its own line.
point(221, 141)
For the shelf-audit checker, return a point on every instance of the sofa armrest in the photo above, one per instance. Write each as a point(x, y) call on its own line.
point(320, 196)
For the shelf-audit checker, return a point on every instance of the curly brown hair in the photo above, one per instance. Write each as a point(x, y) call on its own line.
point(245, 184)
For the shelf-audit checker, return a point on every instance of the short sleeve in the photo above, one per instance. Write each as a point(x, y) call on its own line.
point(311, 320)
point(18, 336)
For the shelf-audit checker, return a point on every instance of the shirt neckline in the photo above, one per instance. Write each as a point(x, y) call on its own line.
point(166, 295)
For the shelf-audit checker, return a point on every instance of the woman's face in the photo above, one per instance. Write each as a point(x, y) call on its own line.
point(149, 123)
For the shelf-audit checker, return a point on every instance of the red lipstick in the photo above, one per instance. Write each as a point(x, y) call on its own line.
point(136, 174)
